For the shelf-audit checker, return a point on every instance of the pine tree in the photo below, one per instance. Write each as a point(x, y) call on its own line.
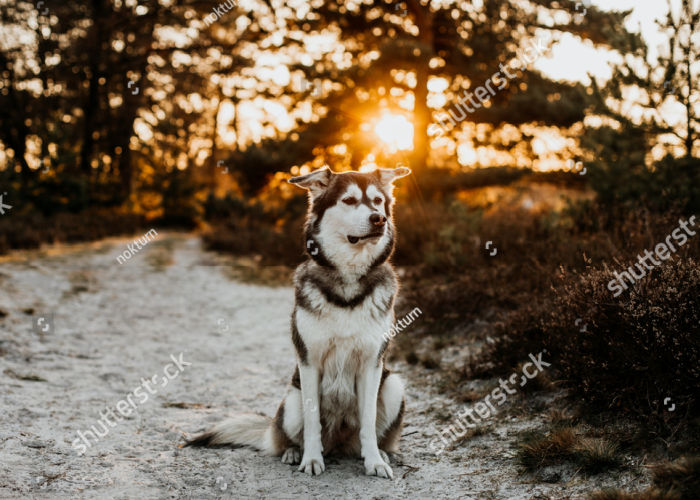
point(103, 67)
point(624, 148)
point(402, 45)
point(657, 82)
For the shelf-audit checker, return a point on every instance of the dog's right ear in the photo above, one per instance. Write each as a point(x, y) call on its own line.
point(316, 182)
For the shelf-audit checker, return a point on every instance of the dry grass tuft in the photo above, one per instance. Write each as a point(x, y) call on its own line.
point(682, 476)
point(592, 455)
point(653, 494)
point(538, 451)
point(677, 480)
point(597, 455)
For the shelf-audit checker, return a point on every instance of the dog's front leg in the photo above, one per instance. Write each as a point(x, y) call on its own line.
point(312, 460)
point(368, 389)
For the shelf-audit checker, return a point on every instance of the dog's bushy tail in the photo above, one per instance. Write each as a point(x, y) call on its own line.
point(251, 430)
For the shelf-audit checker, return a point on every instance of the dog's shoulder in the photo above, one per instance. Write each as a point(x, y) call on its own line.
point(383, 273)
point(308, 271)
point(300, 271)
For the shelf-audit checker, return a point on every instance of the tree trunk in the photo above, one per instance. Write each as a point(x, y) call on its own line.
point(134, 101)
point(213, 167)
point(14, 129)
point(237, 122)
point(421, 113)
point(689, 115)
point(43, 110)
point(90, 108)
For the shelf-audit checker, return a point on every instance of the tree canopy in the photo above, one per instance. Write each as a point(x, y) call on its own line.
point(108, 102)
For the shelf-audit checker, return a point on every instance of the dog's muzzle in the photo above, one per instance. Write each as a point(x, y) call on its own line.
point(378, 222)
point(373, 234)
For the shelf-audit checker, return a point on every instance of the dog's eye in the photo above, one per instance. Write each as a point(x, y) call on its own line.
point(377, 200)
point(350, 201)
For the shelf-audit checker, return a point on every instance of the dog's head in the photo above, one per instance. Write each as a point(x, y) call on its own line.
point(350, 214)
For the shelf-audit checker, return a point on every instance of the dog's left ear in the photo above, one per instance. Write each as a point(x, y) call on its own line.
point(389, 175)
point(316, 182)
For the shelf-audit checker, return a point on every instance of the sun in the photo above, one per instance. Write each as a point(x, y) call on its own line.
point(396, 131)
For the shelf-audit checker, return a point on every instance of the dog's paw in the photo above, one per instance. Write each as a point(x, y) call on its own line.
point(379, 468)
point(385, 456)
point(291, 456)
point(312, 464)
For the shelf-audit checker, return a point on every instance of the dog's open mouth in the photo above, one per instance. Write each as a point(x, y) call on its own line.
point(355, 239)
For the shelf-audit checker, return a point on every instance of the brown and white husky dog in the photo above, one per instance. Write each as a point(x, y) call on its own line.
point(341, 397)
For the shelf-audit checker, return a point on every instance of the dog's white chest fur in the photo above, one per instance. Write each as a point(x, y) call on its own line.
point(342, 343)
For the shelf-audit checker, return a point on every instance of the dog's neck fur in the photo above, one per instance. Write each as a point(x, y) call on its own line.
point(349, 264)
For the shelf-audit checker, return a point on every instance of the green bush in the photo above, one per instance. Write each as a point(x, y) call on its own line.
point(247, 227)
point(623, 182)
point(18, 231)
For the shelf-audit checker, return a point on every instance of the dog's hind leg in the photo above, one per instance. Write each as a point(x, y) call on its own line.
point(292, 456)
point(390, 411)
point(289, 426)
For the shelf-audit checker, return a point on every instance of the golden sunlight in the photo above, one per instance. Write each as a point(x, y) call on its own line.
point(396, 131)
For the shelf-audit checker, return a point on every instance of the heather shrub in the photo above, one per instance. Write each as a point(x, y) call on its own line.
point(635, 350)
point(627, 353)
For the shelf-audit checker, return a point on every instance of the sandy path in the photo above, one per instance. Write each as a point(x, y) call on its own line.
point(116, 324)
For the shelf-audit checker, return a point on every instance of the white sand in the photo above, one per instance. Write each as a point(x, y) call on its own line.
point(116, 324)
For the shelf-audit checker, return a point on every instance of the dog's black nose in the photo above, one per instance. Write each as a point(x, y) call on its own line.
point(377, 219)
